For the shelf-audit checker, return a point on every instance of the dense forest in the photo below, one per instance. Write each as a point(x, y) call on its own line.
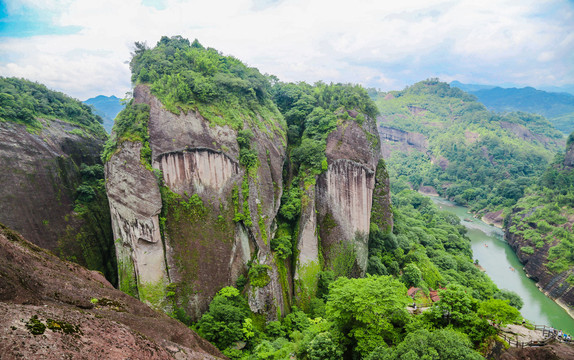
point(475, 157)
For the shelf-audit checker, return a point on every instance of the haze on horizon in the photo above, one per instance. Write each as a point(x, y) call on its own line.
point(82, 48)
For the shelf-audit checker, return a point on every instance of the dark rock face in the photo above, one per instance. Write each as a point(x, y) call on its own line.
point(78, 314)
point(40, 173)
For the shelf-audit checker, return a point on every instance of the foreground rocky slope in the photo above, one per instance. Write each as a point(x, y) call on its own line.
point(52, 309)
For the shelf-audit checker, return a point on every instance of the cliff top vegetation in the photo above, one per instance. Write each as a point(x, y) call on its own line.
point(187, 76)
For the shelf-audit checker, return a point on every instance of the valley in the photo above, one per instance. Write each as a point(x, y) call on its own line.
point(259, 219)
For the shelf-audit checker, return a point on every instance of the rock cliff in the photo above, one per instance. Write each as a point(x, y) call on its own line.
point(41, 173)
point(53, 309)
point(42, 170)
point(196, 166)
point(393, 139)
point(214, 215)
point(337, 212)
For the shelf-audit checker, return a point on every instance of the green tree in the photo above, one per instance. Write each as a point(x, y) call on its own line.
point(412, 275)
point(223, 324)
point(513, 298)
point(443, 344)
point(370, 310)
point(499, 311)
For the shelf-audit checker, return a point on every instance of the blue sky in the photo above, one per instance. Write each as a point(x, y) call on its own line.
point(82, 47)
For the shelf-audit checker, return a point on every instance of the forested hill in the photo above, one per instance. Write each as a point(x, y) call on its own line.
point(23, 102)
point(558, 108)
point(438, 136)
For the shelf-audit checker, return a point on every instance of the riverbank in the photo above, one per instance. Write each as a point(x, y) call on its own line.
point(494, 218)
point(502, 265)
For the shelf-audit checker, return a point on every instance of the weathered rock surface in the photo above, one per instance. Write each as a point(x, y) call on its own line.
point(495, 218)
point(135, 205)
point(337, 211)
point(203, 249)
point(428, 190)
point(81, 315)
point(40, 173)
point(398, 140)
point(344, 194)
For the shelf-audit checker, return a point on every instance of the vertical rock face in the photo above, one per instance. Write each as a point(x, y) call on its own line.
point(197, 171)
point(345, 196)
point(135, 205)
point(214, 216)
point(40, 173)
point(336, 216)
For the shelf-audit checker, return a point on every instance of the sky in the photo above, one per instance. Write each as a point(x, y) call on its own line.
point(82, 47)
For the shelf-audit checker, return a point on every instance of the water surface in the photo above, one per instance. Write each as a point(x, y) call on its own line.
point(502, 265)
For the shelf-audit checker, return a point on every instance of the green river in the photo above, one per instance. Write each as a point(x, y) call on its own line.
point(502, 265)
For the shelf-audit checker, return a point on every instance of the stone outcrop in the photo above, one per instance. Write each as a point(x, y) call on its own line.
point(495, 218)
point(135, 205)
point(45, 170)
point(393, 139)
point(204, 246)
point(40, 173)
point(336, 213)
point(345, 196)
point(53, 309)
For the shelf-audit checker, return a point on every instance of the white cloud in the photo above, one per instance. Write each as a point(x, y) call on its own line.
point(382, 44)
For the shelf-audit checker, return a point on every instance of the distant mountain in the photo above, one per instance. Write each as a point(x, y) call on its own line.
point(558, 108)
point(470, 87)
point(107, 107)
